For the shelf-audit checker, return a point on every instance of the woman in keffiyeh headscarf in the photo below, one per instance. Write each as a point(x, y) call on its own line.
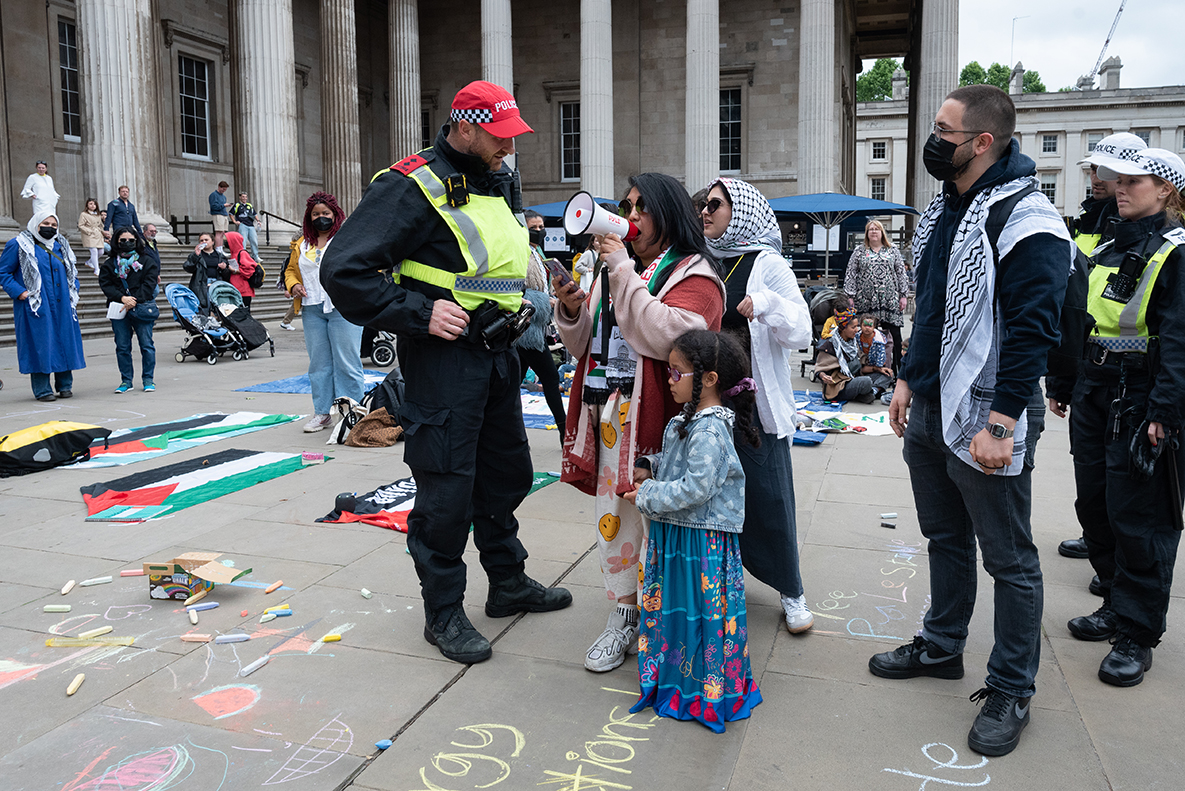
point(765, 310)
point(39, 272)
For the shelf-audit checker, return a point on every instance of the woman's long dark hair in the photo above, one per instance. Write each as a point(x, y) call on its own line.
point(339, 216)
point(722, 353)
point(675, 221)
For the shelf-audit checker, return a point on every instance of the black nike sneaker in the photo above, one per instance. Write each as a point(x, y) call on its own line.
point(997, 728)
point(919, 658)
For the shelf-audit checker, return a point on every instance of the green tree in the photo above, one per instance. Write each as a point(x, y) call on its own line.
point(972, 74)
point(998, 75)
point(876, 84)
point(1033, 83)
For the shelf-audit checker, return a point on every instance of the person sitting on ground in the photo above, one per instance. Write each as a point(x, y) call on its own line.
point(874, 356)
point(838, 365)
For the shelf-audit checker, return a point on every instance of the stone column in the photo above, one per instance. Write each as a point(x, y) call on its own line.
point(702, 115)
point(497, 55)
point(266, 153)
point(596, 97)
point(818, 130)
point(8, 225)
point(121, 106)
point(340, 146)
point(405, 78)
point(936, 75)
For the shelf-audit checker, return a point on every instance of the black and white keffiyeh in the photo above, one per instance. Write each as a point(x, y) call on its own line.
point(753, 226)
point(973, 329)
point(27, 242)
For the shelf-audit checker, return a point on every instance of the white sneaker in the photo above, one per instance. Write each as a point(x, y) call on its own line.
point(317, 423)
point(610, 649)
point(286, 326)
point(798, 617)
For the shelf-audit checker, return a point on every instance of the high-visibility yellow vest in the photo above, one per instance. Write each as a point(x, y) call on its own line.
point(1087, 242)
point(1122, 327)
point(494, 244)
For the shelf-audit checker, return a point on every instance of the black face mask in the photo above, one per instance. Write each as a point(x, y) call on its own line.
point(127, 245)
point(938, 157)
point(536, 237)
point(47, 233)
point(322, 224)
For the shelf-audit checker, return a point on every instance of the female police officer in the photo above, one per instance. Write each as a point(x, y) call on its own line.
point(1126, 422)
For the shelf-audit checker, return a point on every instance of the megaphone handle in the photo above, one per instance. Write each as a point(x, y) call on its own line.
point(606, 320)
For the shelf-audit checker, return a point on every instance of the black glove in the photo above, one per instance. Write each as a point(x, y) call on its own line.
point(1143, 454)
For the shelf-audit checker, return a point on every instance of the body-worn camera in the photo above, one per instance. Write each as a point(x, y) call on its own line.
point(1121, 285)
point(498, 328)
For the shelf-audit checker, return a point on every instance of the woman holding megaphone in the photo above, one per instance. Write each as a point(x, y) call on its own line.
point(765, 310)
point(622, 333)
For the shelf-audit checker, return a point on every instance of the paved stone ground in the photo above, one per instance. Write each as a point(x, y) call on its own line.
point(166, 714)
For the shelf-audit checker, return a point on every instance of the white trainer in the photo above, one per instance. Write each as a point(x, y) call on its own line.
point(610, 649)
point(798, 617)
point(286, 326)
point(317, 423)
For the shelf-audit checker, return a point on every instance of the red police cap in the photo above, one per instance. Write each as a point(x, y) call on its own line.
point(491, 107)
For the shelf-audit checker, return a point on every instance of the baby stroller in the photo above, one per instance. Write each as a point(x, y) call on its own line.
point(205, 337)
point(227, 304)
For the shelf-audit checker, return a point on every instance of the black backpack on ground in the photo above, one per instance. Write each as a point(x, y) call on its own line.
point(1075, 323)
point(387, 393)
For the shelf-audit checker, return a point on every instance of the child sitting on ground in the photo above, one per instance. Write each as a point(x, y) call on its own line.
point(693, 651)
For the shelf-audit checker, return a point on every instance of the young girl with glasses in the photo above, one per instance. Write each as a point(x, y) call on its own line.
point(693, 652)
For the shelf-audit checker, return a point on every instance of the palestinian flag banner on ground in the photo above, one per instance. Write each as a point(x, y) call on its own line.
point(173, 487)
point(129, 445)
point(388, 506)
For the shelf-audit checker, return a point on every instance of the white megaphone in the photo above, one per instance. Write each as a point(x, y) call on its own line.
point(583, 215)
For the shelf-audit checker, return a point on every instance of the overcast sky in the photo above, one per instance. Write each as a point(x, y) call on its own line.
point(1062, 39)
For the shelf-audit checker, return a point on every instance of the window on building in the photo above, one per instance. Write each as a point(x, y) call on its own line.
point(425, 130)
point(1143, 134)
point(1089, 191)
point(877, 192)
point(1049, 186)
point(1092, 140)
point(1048, 144)
point(730, 129)
point(68, 70)
point(878, 149)
point(195, 107)
point(570, 141)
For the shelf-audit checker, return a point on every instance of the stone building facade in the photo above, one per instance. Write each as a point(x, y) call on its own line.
point(282, 97)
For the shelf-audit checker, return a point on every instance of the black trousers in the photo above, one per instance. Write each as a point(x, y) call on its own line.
point(467, 448)
point(1128, 524)
point(542, 363)
point(895, 334)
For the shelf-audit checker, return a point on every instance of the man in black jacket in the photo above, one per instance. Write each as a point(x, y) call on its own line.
point(464, 437)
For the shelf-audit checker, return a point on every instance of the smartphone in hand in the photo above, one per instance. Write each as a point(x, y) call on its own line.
point(556, 268)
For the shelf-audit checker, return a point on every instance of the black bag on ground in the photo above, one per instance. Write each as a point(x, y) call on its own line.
point(387, 394)
point(46, 446)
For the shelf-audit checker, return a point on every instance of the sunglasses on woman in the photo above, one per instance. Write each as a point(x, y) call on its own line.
point(676, 374)
point(626, 207)
point(711, 206)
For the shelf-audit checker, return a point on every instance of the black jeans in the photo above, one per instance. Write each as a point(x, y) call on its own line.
point(467, 448)
point(895, 333)
point(1128, 524)
point(543, 365)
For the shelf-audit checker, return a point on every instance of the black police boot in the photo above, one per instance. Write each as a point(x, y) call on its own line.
point(919, 658)
point(449, 630)
point(1095, 627)
point(520, 593)
point(1095, 586)
point(997, 727)
point(1125, 665)
point(1073, 548)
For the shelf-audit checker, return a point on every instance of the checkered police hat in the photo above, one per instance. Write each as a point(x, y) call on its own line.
point(1150, 161)
point(491, 107)
point(1122, 146)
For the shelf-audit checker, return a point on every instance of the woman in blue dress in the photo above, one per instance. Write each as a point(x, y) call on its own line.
point(40, 274)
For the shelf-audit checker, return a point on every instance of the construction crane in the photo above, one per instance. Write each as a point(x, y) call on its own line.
point(1099, 63)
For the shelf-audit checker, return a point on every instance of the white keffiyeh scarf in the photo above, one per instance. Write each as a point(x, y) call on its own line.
point(27, 242)
point(973, 328)
point(753, 226)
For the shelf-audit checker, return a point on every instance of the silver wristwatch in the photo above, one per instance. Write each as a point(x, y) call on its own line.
point(999, 430)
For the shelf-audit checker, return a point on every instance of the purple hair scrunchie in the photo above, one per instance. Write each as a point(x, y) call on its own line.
point(740, 387)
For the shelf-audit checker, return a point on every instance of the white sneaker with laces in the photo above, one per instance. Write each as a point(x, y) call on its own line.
point(286, 326)
point(317, 423)
point(610, 649)
point(798, 617)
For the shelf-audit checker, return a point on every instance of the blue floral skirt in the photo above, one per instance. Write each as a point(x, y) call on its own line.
point(693, 648)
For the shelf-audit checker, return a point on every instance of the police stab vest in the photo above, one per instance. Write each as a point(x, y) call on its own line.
point(494, 244)
point(1087, 242)
point(1122, 327)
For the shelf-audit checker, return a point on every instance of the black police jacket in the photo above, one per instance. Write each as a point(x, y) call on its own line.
point(395, 222)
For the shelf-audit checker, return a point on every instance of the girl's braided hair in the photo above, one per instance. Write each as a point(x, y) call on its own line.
point(722, 353)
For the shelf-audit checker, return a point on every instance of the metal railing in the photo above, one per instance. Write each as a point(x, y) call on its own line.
point(186, 229)
point(267, 230)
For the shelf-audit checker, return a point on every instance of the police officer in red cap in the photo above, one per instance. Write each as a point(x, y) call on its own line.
point(435, 254)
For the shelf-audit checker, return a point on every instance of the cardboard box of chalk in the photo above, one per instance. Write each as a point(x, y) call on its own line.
point(188, 574)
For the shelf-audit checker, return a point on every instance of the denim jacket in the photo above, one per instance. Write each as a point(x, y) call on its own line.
point(698, 481)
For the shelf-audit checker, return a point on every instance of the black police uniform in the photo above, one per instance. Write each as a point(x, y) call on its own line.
point(1130, 527)
point(465, 441)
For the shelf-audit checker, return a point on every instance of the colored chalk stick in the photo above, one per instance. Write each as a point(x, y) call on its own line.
point(243, 614)
point(56, 608)
point(196, 597)
point(383, 744)
point(277, 608)
point(196, 638)
point(132, 573)
point(251, 668)
point(74, 642)
point(274, 586)
point(193, 617)
point(75, 684)
point(206, 605)
point(892, 515)
point(331, 638)
point(267, 616)
point(69, 586)
point(365, 593)
point(237, 637)
point(889, 525)
point(95, 632)
point(95, 581)
point(281, 613)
